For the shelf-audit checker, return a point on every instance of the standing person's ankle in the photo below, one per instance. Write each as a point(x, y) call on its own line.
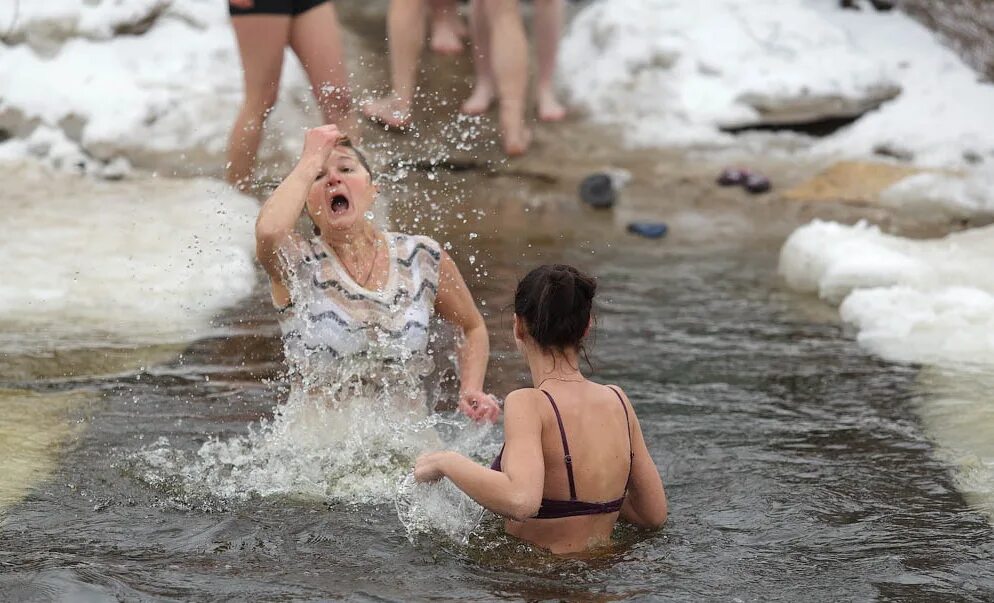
point(392, 111)
point(480, 99)
point(548, 106)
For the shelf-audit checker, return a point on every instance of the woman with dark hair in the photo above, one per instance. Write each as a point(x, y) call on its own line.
point(354, 292)
point(574, 459)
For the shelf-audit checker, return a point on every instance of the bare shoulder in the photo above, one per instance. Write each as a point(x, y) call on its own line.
point(616, 388)
point(617, 391)
point(521, 399)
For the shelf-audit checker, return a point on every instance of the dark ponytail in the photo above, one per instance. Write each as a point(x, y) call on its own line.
point(555, 302)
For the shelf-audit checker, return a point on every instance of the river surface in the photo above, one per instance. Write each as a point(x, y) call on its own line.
point(795, 464)
point(798, 466)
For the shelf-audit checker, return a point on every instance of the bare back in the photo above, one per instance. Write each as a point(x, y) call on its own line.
point(596, 427)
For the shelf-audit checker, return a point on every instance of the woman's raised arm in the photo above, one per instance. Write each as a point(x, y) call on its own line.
point(280, 212)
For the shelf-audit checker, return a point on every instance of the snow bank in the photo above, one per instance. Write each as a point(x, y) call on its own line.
point(46, 24)
point(941, 118)
point(165, 98)
point(958, 196)
point(93, 263)
point(676, 71)
point(926, 301)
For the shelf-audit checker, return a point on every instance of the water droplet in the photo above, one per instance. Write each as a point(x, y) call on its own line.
point(369, 215)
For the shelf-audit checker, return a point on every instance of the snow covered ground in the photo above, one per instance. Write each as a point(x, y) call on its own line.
point(95, 87)
point(678, 71)
point(682, 72)
point(151, 82)
point(88, 263)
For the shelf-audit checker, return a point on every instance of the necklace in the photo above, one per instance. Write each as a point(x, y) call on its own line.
point(581, 380)
point(372, 264)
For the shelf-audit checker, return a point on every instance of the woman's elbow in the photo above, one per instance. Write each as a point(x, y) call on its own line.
point(524, 507)
point(657, 519)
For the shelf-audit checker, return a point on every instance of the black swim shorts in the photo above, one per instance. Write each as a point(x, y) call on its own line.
point(276, 7)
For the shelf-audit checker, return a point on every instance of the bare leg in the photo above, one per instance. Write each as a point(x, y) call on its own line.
point(484, 89)
point(509, 51)
point(261, 40)
point(316, 38)
point(548, 28)
point(447, 30)
point(406, 33)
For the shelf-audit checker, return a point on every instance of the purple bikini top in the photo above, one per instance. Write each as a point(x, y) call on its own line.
point(555, 509)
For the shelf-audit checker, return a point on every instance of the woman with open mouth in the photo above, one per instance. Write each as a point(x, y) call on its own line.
point(355, 292)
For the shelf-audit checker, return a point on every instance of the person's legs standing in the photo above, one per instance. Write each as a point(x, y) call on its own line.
point(484, 88)
point(509, 58)
point(546, 30)
point(316, 38)
point(261, 40)
point(406, 36)
point(447, 30)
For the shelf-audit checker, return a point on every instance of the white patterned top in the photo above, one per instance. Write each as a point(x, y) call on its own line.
point(330, 315)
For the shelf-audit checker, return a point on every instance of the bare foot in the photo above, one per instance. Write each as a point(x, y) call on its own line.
point(480, 100)
point(549, 107)
point(516, 140)
point(389, 111)
point(447, 34)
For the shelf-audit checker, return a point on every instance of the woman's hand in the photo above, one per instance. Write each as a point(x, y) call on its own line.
point(319, 144)
point(242, 3)
point(428, 467)
point(479, 406)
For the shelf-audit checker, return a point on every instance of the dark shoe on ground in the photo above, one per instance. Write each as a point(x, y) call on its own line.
point(597, 190)
point(757, 183)
point(732, 176)
point(883, 5)
point(649, 230)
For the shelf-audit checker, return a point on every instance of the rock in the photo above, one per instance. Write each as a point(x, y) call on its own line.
point(597, 190)
point(781, 110)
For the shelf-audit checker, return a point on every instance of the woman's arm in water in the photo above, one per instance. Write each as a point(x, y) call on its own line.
point(645, 504)
point(455, 304)
point(280, 212)
point(515, 492)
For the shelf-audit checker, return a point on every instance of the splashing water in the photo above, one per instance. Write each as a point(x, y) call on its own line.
point(350, 431)
point(438, 507)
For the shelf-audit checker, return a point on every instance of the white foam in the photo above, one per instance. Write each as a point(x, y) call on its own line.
point(93, 263)
point(359, 449)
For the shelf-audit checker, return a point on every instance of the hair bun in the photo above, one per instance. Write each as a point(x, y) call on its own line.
point(547, 300)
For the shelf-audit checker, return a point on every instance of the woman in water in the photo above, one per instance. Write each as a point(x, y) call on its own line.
point(574, 459)
point(263, 29)
point(354, 291)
